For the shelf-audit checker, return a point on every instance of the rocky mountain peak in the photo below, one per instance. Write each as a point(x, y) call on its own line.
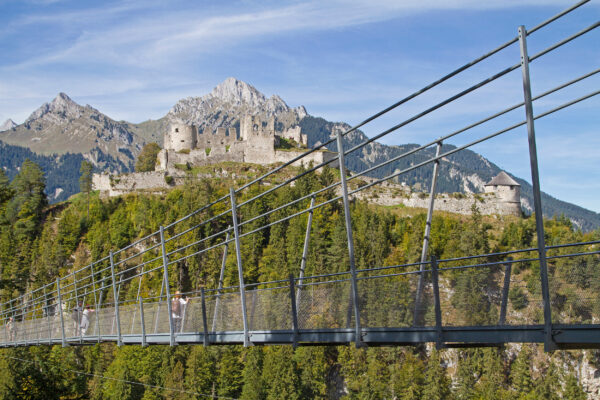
point(8, 124)
point(61, 105)
point(228, 102)
point(237, 92)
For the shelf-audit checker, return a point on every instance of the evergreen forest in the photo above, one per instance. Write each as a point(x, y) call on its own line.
point(39, 242)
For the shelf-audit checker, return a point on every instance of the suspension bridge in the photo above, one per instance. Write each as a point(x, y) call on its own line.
point(382, 305)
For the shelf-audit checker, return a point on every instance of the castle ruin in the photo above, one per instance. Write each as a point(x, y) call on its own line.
point(257, 143)
point(507, 192)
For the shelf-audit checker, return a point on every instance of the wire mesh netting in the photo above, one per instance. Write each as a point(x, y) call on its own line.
point(324, 305)
point(391, 301)
point(574, 289)
point(498, 293)
point(476, 290)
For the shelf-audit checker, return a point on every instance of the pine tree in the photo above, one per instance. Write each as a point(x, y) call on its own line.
point(229, 372)
point(25, 208)
point(408, 378)
point(573, 389)
point(254, 385)
point(547, 385)
point(200, 374)
point(436, 382)
point(280, 374)
point(520, 372)
point(85, 182)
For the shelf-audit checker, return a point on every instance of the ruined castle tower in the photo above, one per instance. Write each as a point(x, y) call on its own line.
point(180, 137)
point(252, 126)
point(507, 191)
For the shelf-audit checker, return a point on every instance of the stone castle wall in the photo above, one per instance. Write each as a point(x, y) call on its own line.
point(257, 144)
point(111, 185)
point(315, 158)
point(488, 203)
point(222, 137)
point(387, 194)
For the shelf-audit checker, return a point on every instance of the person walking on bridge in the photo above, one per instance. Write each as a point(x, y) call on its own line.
point(177, 309)
point(76, 317)
point(12, 329)
point(85, 319)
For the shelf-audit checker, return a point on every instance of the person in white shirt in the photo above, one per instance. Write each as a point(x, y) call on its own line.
point(12, 329)
point(85, 319)
point(177, 310)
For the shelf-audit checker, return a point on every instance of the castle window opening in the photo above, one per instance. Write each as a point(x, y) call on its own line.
point(183, 141)
point(176, 129)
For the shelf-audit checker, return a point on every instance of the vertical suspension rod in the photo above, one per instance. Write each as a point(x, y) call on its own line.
point(116, 297)
point(166, 286)
point(221, 277)
point(60, 310)
point(305, 249)
point(549, 343)
point(426, 236)
point(238, 254)
point(348, 220)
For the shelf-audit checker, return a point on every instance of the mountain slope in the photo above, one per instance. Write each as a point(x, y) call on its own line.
point(63, 126)
point(465, 171)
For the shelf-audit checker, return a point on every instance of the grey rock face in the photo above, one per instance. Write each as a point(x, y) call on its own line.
point(62, 106)
point(8, 124)
point(228, 102)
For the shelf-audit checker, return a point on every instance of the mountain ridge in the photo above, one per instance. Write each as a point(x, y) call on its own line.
point(63, 126)
point(8, 124)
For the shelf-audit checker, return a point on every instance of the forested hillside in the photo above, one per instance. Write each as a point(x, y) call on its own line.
point(61, 171)
point(464, 171)
point(38, 243)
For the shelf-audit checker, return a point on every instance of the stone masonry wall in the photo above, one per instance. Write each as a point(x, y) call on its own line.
point(110, 185)
point(316, 157)
point(487, 203)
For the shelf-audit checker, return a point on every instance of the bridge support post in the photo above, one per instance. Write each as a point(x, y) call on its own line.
point(305, 249)
point(439, 343)
point(47, 312)
point(505, 289)
point(549, 343)
point(116, 297)
point(166, 285)
point(142, 321)
point(238, 254)
point(204, 321)
point(97, 311)
point(95, 302)
point(294, 311)
point(425, 249)
point(221, 277)
point(348, 219)
point(60, 310)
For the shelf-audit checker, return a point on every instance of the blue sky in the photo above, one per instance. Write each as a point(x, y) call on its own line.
point(342, 60)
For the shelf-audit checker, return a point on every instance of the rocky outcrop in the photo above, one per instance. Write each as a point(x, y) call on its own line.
point(228, 102)
point(8, 124)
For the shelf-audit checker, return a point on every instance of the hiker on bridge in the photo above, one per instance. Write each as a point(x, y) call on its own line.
point(76, 313)
point(177, 306)
point(85, 319)
point(11, 328)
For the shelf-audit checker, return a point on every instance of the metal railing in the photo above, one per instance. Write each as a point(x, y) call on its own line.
point(351, 303)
